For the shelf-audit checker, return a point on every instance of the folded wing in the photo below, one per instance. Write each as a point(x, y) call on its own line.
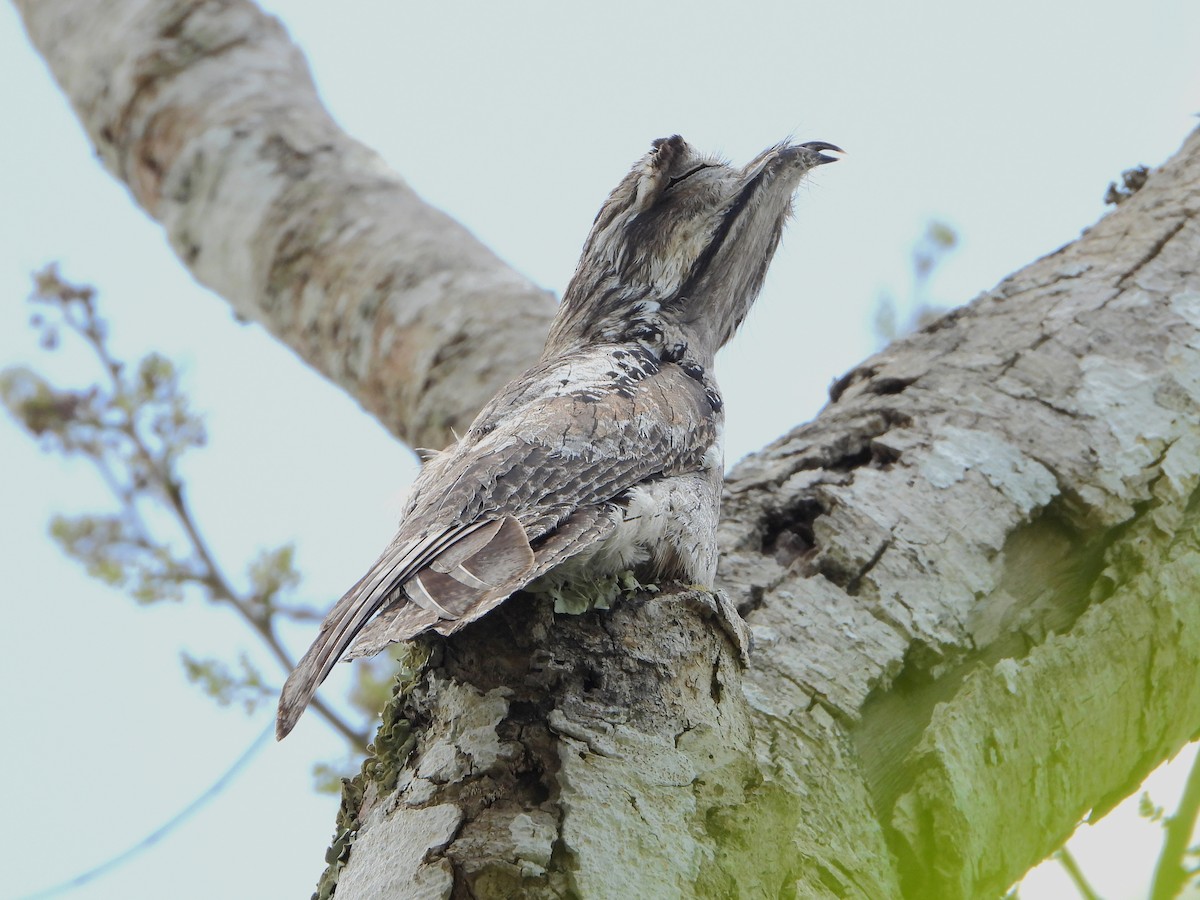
point(508, 504)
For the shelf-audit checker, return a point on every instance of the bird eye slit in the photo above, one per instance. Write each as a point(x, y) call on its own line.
point(688, 174)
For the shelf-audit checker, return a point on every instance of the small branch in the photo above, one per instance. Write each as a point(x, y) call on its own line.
point(159, 470)
point(262, 626)
point(1067, 860)
point(1170, 875)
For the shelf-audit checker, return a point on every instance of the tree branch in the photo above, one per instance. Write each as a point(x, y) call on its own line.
point(972, 578)
point(271, 205)
point(158, 472)
point(1067, 859)
point(1171, 874)
point(981, 558)
point(972, 581)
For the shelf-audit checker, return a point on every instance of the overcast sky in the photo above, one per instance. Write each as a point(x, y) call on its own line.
point(1005, 122)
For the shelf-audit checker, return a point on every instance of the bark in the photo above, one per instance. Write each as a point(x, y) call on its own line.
point(206, 111)
point(981, 559)
point(971, 580)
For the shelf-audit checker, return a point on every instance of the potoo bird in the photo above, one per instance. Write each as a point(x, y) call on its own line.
point(606, 455)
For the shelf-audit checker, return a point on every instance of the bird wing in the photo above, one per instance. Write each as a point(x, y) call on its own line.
point(529, 485)
point(403, 621)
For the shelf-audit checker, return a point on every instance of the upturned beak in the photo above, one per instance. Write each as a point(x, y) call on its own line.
point(817, 146)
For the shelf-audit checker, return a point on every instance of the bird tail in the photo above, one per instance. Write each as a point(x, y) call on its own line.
point(337, 631)
point(456, 577)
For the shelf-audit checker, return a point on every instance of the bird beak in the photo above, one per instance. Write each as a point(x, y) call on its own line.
point(815, 147)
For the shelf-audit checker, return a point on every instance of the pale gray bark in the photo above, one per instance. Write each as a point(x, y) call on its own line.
point(207, 113)
point(981, 560)
point(972, 579)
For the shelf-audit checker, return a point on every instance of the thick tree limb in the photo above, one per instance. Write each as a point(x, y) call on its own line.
point(973, 584)
point(972, 578)
point(973, 581)
point(207, 112)
point(981, 559)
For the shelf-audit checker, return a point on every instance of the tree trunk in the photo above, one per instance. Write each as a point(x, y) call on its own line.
point(971, 580)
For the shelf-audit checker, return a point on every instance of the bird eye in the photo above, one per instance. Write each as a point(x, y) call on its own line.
point(688, 174)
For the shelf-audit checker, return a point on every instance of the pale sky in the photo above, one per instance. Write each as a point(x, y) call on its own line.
point(1006, 122)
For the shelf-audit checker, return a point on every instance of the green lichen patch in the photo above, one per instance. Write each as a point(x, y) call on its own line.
point(575, 592)
point(394, 743)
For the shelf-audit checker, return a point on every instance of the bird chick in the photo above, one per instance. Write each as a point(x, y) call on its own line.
point(606, 455)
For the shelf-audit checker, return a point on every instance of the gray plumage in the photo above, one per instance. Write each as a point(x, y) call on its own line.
point(606, 455)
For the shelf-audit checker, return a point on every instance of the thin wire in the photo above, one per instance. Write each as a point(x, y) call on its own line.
point(162, 830)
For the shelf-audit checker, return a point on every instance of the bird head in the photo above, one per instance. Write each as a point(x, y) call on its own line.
point(683, 242)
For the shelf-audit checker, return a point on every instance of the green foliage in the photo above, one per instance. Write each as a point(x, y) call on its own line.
point(1178, 865)
point(575, 592)
point(244, 686)
point(329, 776)
point(134, 424)
point(1147, 809)
point(937, 241)
point(272, 574)
point(118, 550)
point(373, 682)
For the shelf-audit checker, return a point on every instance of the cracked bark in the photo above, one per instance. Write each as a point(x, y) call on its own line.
point(972, 579)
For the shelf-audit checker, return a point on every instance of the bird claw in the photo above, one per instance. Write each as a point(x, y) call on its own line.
point(718, 605)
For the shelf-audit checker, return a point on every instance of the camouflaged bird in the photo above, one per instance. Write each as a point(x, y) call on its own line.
point(606, 455)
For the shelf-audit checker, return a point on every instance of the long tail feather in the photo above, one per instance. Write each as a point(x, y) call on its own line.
point(501, 566)
point(446, 577)
point(336, 633)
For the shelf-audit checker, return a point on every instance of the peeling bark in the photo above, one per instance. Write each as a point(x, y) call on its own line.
point(972, 580)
